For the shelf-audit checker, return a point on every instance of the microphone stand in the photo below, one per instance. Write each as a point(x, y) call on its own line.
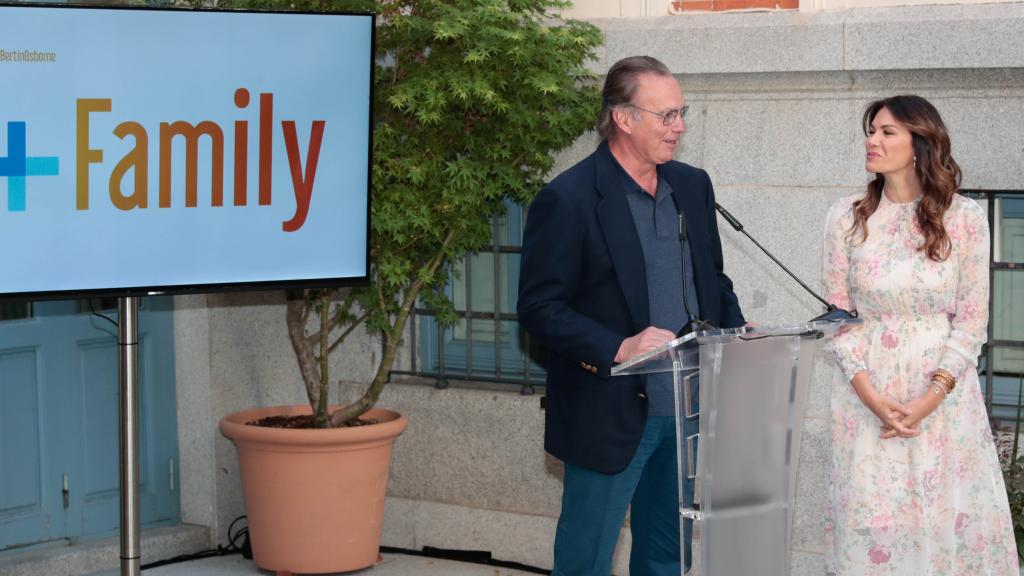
point(692, 324)
point(832, 312)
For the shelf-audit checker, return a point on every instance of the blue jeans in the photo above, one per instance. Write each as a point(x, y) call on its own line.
point(594, 507)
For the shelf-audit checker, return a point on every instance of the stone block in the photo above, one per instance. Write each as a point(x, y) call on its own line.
point(812, 486)
point(731, 43)
point(477, 448)
point(922, 37)
point(807, 564)
point(790, 224)
point(792, 142)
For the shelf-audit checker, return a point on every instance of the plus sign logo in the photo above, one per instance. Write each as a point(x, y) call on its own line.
point(17, 166)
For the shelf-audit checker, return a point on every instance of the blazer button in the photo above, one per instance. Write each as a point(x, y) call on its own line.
point(593, 369)
point(583, 365)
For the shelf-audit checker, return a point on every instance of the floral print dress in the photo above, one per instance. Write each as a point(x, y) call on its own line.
point(934, 504)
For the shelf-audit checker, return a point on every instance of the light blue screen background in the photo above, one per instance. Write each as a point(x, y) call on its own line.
point(164, 66)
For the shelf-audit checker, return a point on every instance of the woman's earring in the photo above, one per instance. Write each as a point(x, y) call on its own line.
point(915, 161)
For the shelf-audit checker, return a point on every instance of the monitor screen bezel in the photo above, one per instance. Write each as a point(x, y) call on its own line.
point(215, 287)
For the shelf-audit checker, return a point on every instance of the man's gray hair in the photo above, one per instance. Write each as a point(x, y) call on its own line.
point(620, 86)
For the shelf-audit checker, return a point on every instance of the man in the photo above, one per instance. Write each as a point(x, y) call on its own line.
point(603, 278)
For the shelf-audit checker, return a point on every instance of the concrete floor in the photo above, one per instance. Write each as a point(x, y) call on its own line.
point(393, 565)
point(99, 558)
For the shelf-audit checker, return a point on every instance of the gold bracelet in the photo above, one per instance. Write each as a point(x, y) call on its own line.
point(942, 382)
point(946, 384)
point(943, 377)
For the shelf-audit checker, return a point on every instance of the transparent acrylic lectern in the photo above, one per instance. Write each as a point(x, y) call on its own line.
point(753, 385)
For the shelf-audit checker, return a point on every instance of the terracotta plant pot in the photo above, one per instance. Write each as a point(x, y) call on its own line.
point(314, 498)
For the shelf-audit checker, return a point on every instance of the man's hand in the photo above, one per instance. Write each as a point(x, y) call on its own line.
point(645, 341)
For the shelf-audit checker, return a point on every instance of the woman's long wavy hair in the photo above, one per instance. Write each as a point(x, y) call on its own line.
point(934, 166)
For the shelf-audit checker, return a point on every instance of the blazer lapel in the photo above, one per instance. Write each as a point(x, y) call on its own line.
point(616, 220)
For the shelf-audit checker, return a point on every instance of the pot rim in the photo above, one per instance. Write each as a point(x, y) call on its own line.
point(234, 426)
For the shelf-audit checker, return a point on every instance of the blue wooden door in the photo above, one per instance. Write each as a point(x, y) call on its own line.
point(59, 470)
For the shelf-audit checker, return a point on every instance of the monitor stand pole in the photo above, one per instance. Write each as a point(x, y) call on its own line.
point(128, 345)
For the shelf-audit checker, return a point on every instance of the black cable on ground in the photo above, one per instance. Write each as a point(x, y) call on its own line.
point(470, 556)
point(220, 551)
point(238, 543)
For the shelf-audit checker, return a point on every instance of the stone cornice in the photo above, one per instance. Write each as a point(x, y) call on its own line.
point(959, 36)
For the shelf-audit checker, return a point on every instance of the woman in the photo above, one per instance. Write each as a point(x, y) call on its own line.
point(916, 487)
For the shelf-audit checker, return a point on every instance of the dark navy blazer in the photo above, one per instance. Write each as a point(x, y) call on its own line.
point(583, 290)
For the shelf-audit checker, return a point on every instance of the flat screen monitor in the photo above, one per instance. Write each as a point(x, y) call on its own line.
point(148, 151)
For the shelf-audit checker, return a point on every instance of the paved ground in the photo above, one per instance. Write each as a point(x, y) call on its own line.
point(393, 565)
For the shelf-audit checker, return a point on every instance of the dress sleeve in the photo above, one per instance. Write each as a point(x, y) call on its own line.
point(970, 238)
point(847, 345)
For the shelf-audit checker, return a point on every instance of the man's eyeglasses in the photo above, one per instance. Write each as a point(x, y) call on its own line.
point(667, 118)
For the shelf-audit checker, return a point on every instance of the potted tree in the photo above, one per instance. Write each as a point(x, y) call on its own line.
point(472, 98)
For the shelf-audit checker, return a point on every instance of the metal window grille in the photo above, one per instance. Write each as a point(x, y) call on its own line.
point(1002, 374)
point(455, 352)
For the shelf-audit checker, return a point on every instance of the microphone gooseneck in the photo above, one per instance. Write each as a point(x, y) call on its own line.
point(832, 312)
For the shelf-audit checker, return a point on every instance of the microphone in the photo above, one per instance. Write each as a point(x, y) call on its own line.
point(692, 324)
point(832, 312)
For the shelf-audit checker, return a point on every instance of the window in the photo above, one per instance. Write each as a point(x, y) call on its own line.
point(15, 310)
point(1002, 364)
point(486, 343)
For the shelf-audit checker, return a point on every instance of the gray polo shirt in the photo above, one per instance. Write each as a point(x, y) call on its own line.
point(657, 224)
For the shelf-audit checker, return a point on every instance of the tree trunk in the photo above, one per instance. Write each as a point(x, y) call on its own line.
point(392, 337)
point(303, 347)
point(320, 414)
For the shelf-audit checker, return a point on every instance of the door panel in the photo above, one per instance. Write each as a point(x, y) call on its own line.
point(19, 417)
point(75, 389)
point(98, 373)
point(24, 514)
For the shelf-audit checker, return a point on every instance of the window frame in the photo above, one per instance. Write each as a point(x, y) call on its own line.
point(443, 355)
